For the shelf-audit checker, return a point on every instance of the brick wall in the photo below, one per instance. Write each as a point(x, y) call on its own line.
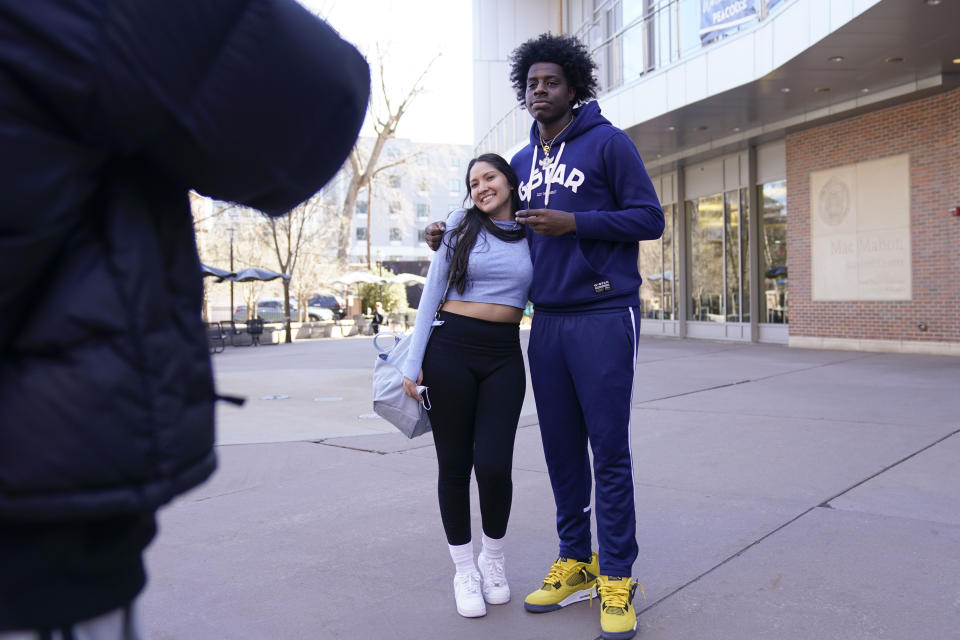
point(928, 130)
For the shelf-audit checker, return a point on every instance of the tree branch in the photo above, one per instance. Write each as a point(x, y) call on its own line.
point(390, 165)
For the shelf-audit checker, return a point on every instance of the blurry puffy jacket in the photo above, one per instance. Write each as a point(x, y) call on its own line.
point(110, 110)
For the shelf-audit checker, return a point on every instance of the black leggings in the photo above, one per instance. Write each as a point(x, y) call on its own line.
point(474, 369)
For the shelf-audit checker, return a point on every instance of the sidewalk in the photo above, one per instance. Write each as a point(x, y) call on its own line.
point(781, 494)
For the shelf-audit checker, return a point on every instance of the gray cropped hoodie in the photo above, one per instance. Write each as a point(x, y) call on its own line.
point(499, 272)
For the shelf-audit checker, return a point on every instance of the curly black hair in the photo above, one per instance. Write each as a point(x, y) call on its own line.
point(566, 51)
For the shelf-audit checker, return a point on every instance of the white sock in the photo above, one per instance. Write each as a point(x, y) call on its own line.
point(462, 555)
point(492, 547)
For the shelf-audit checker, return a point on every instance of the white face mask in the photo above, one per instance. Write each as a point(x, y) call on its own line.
point(424, 396)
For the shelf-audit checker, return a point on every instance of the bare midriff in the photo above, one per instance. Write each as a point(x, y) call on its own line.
point(484, 310)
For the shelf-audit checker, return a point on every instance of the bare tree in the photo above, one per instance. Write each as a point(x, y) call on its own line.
point(364, 169)
point(250, 251)
point(288, 235)
point(207, 210)
point(313, 270)
point(214, 238)
point(317, 263)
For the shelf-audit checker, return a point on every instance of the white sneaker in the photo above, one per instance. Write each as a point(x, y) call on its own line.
point(466, 589)
point(495, 587)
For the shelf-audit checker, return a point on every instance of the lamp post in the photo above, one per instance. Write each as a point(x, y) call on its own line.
point(232, 308)
point(380, 273)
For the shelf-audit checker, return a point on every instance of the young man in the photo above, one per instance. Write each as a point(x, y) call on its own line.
point(589, 202)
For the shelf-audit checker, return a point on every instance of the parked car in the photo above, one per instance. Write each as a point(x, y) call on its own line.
point(271, 310)
point(320, 313)
point(324, 307)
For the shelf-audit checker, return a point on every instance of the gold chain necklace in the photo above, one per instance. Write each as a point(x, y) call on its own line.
point(547, 145)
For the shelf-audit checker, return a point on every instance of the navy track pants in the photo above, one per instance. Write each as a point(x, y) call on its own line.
point(582, 368)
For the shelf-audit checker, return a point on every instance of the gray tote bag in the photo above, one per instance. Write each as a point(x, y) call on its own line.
point(389, 400)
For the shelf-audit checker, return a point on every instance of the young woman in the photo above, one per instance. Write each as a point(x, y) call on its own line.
point(474, 370)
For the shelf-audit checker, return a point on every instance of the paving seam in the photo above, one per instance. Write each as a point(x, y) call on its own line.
point(738, 382)
point(824, 504)
point(525, 422)
point(361, 450)
point(714, 412)
point(692, 355)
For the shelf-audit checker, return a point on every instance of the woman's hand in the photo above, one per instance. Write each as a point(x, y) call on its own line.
point(410, 388)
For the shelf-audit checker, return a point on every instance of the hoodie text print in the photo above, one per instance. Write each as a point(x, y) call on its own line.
point(596, 174)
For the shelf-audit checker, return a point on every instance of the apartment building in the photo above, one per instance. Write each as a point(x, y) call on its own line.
point(424, 183)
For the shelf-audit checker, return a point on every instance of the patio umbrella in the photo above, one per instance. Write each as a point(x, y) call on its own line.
point(354, 278)
point(254, 273)
point(357, 277)
point(214, 271)
point(406, 279)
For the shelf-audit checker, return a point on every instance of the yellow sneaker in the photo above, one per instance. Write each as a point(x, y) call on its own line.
point(567, 582)
point(618, 619)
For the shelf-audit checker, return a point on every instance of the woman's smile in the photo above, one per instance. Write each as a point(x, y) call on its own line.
point(490, 191)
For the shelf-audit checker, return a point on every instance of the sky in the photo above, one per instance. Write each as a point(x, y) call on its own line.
point(410, 34)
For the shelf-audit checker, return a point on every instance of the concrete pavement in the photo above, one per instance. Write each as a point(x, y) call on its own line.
point(781, 493)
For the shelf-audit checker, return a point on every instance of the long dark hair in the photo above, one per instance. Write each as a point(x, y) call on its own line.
point(463, 239)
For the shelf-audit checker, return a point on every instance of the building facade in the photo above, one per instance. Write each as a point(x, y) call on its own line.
point(423, 182)
point(806, 152)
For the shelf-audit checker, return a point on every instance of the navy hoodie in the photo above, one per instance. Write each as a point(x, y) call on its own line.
point(596, 174)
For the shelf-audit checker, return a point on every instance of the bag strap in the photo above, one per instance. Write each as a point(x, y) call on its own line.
point(384, 352)
point(386, 334)
point(436, 316)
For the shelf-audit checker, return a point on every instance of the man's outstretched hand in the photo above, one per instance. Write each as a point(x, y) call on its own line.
point(433, 234)
point(548, 222)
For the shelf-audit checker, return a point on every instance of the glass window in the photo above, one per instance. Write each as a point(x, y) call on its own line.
point(719, 274)
point(732, 256)
point(396, 207)
point(664, 35)
point(361, 206)
point(424, 186)
point(771, 4)
point(688, 25)
point(657, 264)
point(745, 255)
point(669, 263)
point(705, 226)
point(361, 233)
point(395, 182)
point(396, 234)
point(421, 235)
point(423, 210)
point(773, 252)
point(651, 269)
point(633, 42)
point(608, 56)
point(453, 185)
